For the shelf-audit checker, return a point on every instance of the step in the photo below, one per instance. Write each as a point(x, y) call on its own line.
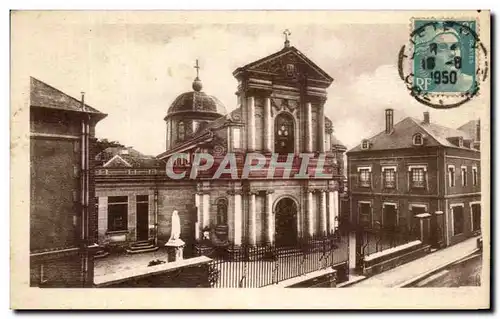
point(141, 243)
point(101, 254)
point(140, 247)
point(146, 250)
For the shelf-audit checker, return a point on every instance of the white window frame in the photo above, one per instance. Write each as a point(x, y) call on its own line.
point(453, 217)
point(475, 176)
point(421, 139)
point(471, 217)
point(371, 210)
point(425, 206)
point(43, 279)
point(410, 168)
point(451, 182)
point(395, 168)
point(397, 211)
point(360, 168)
point(462, 176)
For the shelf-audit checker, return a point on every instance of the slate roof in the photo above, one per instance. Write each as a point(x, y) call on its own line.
point(402, 136)
point(46, 96)
point(470, 128)
point(196, 102)
point(135, 158)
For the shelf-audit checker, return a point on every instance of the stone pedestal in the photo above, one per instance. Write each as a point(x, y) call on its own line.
point(175, 249)
point(424, 227)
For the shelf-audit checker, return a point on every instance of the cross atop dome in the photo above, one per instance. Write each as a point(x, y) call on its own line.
point(287, 33)
point(197, 67)
point(197, 85)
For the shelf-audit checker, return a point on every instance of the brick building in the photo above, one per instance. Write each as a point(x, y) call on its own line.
point(63, 219)
point(280, 109)
point(414, 168)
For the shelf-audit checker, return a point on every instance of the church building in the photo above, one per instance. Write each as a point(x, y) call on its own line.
point(280, 114)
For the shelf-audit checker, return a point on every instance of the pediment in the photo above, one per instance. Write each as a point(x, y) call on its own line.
point(289, 64)
point(117, 162)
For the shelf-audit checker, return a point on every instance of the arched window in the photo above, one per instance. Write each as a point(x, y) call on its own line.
point(181, 130)
point(284, 134)
point(221, 211)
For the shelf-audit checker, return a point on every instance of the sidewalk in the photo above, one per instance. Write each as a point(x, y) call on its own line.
point(404, 274)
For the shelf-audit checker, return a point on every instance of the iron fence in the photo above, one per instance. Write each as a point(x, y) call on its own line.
point(261, 265)
point(377, 240)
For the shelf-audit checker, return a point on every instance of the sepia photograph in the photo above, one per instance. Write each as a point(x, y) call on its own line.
point(340, 150)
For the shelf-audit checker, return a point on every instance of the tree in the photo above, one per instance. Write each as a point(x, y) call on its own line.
point(104, 143)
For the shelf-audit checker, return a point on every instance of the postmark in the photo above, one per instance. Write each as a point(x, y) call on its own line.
point(444, 62)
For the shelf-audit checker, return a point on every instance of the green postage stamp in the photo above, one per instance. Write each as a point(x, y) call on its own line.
point(444, 62)
point(445, 56)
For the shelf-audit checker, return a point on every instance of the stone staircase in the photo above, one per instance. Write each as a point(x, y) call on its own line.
point(101, 253)
point(142, 246)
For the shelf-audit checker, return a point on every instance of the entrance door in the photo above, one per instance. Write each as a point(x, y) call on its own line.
point(390, 217)
point(142, 217)
point(286, 223)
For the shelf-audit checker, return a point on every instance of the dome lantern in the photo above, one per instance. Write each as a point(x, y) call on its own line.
point(196, 103)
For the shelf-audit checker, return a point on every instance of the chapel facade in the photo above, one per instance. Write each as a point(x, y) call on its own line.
point(280, 114)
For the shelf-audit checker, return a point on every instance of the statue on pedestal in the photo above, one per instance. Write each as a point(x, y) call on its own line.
point(175, 242)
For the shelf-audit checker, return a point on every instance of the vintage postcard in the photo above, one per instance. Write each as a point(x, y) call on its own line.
point(160, 158)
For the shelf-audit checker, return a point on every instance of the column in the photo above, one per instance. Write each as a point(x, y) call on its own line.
point(238, 220)
point(309, 213)
point(336, 209)
point(323, 221)
point(251, 123)
point(308, 128)
point(197, 203)
point(270, 217)
point(331, 213)
point(321, 128)
point(352, 252)
point(206, 211)
point(252, 222)
point(267, 124)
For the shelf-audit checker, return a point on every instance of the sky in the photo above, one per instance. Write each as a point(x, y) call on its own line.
point(133, 71)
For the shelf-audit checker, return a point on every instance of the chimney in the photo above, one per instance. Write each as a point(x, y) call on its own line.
point(83, 101)
point(478, 131)
point(427, 119)
point(389, 120)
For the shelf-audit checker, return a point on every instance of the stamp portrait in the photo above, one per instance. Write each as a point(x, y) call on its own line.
point(445, 56)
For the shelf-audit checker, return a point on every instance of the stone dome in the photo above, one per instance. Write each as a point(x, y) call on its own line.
point(196, 101)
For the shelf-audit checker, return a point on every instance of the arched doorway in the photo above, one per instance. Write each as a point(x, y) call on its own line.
point(286, 222)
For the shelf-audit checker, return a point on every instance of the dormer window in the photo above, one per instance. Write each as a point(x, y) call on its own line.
point(418, 139)
point(365, 144)
point(460, 142)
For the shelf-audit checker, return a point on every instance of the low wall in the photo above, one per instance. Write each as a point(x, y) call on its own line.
point(391, 258)
point(187, 273)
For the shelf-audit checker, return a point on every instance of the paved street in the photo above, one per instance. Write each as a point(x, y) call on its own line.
point(122, 262)
point(464, 273)
point(408, 272)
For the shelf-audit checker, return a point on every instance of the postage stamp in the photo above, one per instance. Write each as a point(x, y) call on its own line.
point(444, 62)
point(445, 56)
